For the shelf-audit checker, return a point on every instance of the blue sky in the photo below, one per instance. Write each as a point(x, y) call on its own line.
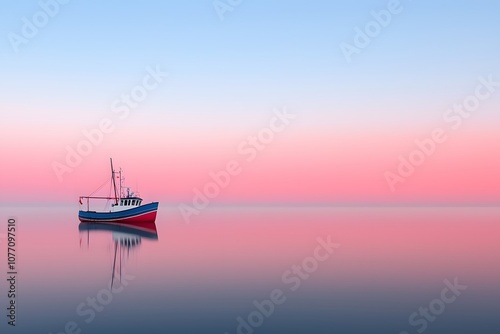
point(263, 53)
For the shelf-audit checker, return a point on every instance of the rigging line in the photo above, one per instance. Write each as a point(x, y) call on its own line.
point(109, 192)
point(102, 185)
point(109, 195)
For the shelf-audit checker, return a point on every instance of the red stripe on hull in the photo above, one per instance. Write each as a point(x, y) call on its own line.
point(149, 217)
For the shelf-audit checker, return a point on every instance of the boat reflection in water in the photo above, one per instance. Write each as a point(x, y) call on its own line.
point(125, 238)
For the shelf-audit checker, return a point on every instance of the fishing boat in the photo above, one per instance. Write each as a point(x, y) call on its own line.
point(127, 207)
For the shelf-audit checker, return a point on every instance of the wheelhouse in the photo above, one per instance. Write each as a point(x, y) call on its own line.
point(130, 201)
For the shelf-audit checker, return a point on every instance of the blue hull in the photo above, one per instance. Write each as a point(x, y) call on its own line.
point(142, 214)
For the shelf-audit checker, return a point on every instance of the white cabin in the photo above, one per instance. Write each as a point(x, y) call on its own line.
point(126, 204)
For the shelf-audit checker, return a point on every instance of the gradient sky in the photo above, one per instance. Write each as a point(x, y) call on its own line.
point(226, 77)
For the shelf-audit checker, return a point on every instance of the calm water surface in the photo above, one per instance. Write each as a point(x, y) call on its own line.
point(438, 266)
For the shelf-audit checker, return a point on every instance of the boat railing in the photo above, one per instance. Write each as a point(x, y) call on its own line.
point(88, 198)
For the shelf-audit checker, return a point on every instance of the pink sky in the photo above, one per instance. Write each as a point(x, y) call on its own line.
point(302, 164)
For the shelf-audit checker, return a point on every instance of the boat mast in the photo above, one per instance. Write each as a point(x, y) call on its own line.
point(114, 182)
